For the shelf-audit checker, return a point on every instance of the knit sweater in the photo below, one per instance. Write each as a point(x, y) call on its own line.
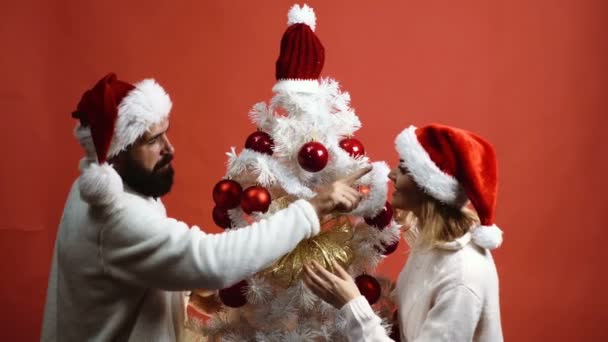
point(447, 293)
point(119, 275)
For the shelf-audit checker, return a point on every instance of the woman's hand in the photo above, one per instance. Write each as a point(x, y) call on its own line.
point(336, 289)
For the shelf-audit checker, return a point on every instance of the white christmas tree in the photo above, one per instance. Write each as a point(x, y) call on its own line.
point(304, 140)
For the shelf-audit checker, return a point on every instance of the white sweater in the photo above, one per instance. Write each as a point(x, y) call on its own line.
point(117, 276)
point(448, 293)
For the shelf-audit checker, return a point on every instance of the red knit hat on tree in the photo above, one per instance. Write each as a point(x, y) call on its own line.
point(112, 116)
point(454, 166)
point(302, 55)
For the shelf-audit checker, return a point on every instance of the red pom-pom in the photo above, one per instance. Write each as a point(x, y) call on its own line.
point(235, 295)
point(260, 142)
point(383, 218)
point(255, 198)
point(353, 146)
point(221, 217)
point(313, 157)
point(227, 194)
point(369, 288)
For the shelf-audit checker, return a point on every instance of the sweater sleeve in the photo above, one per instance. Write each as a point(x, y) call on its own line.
point(453, 317)
point(362, 324)
point(152, 250)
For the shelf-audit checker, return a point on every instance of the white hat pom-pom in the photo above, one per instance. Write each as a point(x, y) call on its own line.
point(489, 237)
point(99, 184)
point(302, 15)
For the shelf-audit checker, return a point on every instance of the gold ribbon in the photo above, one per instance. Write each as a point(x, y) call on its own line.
point(332, 244)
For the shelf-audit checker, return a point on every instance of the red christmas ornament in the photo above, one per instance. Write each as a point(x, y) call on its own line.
point(255, 198)
point(353, 146)
point(369, 288)
point(221, 217)
point(234, 296)
point(227, 194)
point(313, 156)
point(260, 142)
point(364, 189)
point(389, 249)
point(383, 218)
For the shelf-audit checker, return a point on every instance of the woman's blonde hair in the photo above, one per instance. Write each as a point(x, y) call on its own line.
point(439, 222)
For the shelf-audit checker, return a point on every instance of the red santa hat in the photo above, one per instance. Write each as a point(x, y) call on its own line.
point(454, 166)
point(302, 55)
point(113, 115)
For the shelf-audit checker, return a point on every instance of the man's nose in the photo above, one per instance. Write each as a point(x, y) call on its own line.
point(168, 146)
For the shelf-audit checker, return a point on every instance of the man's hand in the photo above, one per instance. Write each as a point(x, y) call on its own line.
point(205, 301)
point(340, 195)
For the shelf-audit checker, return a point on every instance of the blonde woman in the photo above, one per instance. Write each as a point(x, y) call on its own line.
point(448, 289)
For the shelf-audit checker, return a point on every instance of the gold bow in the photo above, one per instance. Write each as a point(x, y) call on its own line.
point(332, 244)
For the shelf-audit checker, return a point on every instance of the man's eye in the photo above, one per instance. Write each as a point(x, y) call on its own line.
point(152, 141)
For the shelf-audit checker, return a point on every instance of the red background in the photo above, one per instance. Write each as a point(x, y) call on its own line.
point(531, 76)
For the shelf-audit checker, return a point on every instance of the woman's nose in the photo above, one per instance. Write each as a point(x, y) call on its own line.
point(391, 175)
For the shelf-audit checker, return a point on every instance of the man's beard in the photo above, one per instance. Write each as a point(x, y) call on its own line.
point(155, 183)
